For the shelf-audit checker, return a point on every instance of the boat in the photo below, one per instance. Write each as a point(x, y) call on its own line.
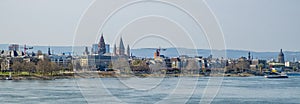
point(9, 78)
point(276, 75)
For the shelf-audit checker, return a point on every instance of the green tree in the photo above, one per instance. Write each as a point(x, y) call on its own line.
point(294, 68)
point(260, 66)
point(136, 62)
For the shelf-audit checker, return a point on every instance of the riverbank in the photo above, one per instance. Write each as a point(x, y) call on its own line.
point(38, 77)
point(98, 74)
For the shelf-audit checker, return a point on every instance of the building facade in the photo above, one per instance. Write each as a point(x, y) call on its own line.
point(13, 47)
point(94, 49)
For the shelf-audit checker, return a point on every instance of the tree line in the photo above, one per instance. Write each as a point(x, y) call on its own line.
point(42, 67)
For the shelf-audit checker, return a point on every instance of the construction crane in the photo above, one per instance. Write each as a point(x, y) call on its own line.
point(158, 50)
point(26, 48)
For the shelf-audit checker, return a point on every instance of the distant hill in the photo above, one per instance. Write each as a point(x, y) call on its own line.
point(173, 52)
point(54, 49)
point(170, 52)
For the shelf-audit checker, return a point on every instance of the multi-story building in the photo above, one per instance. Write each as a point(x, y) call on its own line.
point(13, 47)
point(102, 58)
point(256, 63)
point(107, 47)
point(176, 63)
point(62, 60)
point(94, 49)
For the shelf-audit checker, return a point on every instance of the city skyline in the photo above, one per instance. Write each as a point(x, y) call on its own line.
point(39, 23)
point(149, 51)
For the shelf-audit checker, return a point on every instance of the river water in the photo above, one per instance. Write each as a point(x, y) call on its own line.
point(229, 90)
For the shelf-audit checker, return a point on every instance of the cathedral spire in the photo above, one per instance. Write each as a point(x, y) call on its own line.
point(128, 50)
point(101, 46)
point(249, 55)
point(49, 51)
point(121, 47)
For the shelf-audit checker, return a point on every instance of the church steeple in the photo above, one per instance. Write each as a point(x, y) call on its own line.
point(101, 46)
point(128, 50)
point(49, 51)
point(121, 47)
point(249, 55)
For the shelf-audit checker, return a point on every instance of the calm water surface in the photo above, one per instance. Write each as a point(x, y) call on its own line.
point(247, 90)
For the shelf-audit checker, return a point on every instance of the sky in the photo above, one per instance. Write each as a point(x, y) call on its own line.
point(256, 25)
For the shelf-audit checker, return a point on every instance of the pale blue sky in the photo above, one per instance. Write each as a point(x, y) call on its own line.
point(258, 25)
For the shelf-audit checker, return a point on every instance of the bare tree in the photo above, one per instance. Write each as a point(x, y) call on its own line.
point(54, 68)
point(122, 65)
point(192, 66)
point(242, 66)
point(17, 67)
point(29, 67)
point(70, 67)
point(43, 67)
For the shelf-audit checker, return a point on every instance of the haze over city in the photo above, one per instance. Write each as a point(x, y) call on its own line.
point(149, 51)
point(255, 25)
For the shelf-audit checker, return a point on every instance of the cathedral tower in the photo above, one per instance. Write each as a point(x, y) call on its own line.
point(281, 57)
point(101, 46)
point(128, 50)
point(121, 50)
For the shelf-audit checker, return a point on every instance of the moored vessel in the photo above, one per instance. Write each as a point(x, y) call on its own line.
point(276, 75)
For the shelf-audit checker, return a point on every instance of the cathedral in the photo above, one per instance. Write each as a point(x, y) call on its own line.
point(120, 51)
point(101, 46)
point(117, 51)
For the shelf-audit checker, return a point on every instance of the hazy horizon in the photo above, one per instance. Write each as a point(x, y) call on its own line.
point(5, 47)
point(255, 25)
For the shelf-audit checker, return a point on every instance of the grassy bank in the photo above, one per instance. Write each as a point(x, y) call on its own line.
point(98, 74)
point(35, 76)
